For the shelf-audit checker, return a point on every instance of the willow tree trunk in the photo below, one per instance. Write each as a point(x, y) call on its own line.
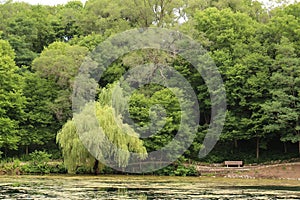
point(96, 167)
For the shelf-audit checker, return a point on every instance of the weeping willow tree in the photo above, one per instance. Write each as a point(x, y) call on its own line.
point(121, 135)
point(74, 152)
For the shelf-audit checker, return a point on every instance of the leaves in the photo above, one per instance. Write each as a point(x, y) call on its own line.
point(11, 98)
point(42, 47)
point(123, 138)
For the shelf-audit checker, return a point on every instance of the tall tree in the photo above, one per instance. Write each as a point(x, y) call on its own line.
point(11, 99)
point(284, 108)
point(244, 64)
point(39, 123)
point(66, 23)
point(59, 64)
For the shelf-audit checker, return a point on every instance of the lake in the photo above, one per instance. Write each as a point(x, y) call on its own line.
point(144, 187)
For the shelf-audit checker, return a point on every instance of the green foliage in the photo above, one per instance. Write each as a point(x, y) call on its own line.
point(284, 107)
point(39, 122)
point(83, 170)
point(38, 157)
point(178, 169)
point(42, 47)
point(10, 166)
point(58, 169)
point(38, 163)
point(11, 99)
point(59, 64)
point(90, 41)
point(74, 153)
point(121, 135)
point(158, 114)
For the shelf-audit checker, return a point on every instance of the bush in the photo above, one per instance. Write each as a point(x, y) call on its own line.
point(38, 163)
point(10, 166)
point(56, 154)
point(58, 169)
point(83, 170)
point(107, 170)
point(177, 169)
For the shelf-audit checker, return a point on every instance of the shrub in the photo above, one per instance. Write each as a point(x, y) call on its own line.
point(83, 170)
point(177, 169)
point(10, 166)
point(38, 163)
point(58, 169)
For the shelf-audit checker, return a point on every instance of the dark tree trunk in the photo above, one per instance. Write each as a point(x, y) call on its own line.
point(5, 152)
point(257, 147)
point(235, 144)
point(285, 147)
point(96, 167)
point(299, 147)
point(26, 150)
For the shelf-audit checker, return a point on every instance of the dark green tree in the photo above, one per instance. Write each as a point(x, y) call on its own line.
point(59, 64)
point(284, 107)
point(39, 124)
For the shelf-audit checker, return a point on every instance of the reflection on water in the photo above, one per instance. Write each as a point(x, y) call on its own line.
point(144, 187)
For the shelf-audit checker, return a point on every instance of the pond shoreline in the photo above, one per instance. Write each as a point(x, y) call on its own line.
point(280, 171)
point(283, 171)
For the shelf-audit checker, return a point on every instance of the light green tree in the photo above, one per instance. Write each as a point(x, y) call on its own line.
point(121, 135)
point(11, 99)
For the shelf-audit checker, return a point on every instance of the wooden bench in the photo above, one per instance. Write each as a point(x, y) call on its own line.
point(233, 163)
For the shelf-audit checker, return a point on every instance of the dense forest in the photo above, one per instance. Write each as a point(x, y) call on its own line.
point(256, 50)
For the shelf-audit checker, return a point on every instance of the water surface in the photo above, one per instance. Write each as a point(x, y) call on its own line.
point(144, 187)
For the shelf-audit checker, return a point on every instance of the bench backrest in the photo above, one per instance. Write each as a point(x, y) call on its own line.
point(233, 162)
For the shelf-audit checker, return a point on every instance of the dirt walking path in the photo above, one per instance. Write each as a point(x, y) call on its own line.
point(277, 171)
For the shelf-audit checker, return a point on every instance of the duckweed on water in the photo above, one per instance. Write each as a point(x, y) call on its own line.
point(144, 187)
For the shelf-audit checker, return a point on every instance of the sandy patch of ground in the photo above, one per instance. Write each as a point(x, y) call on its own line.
point(276, 171)
point(280, 171)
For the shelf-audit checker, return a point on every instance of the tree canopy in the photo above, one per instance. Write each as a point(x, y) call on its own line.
point(256, 50)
